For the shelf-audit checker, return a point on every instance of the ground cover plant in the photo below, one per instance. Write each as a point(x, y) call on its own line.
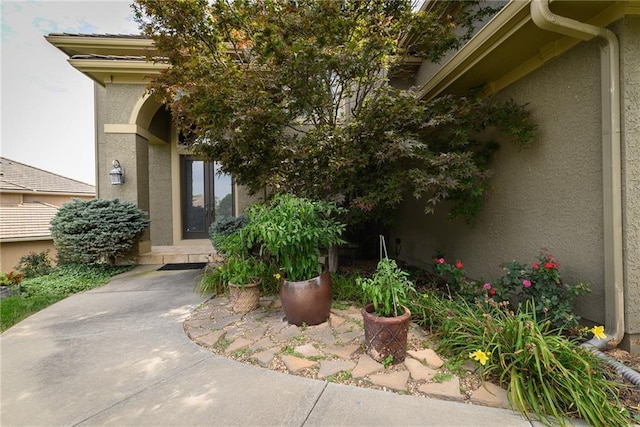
point(42, 291)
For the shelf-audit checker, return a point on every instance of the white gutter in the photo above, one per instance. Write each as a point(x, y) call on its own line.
point(611, 162)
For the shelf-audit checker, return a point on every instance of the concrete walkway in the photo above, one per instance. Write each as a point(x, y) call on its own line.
point(118, 355)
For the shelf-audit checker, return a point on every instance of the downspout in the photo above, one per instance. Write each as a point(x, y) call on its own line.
point(611, 162)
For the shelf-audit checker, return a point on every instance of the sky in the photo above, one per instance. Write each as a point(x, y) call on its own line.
point(46, 111)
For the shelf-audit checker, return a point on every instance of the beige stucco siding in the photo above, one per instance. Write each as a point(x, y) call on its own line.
point(549, 196)
point(11, 252)
point(630, 61)
point(160, 195)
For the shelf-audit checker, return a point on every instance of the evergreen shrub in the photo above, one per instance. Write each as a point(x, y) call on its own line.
point(97, 231)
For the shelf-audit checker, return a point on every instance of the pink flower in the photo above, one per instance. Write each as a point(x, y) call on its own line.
point(487, 286)
point(549, 265)
point(526, 283)
point(536, 265)
point(441, 261)
point(458, 264)
point(492, 291)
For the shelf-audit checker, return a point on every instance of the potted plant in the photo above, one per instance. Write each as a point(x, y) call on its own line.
point(291, 230)
point(243, 278)
point(386, 317)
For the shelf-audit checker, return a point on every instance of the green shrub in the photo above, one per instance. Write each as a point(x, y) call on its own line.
point(96, 231)
point(34, 264)
point(545, 373)
point(224, 234)
point(542, 284)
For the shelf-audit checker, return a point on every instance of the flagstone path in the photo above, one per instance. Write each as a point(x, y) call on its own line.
point(332, 351)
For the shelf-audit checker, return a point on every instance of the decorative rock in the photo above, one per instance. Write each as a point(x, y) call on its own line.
point(350, 336)
point(336, 320)
point(491, 395)
point(307, 350)
point(428, 356)
point(366, 365)
point(289, 332)
point(343, 352)
point(331, 367)
point(265, 357)
point(395, 380)
point(448, 390)
point(237, 345)
point(418, 371)
point(211, 338)
point(295, 364)
point(256, 333)
point(262, 344)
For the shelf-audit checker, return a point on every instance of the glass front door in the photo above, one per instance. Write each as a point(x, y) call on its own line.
point(207, 196)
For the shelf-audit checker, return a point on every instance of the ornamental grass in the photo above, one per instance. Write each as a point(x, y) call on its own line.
point(546, 374)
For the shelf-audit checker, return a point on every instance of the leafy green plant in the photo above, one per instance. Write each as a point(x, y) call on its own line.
point(225, 237)
point(96, 231)
point(545, 373)
point(12, 278)
point(34, 264)
point(542, 284)
point(388, 289)
point(243, 270)
point(455, 278)
point(388, 361)
point(291, 230)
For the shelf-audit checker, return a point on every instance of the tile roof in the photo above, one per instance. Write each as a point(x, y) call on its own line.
point(26, 221)
point(18, 177)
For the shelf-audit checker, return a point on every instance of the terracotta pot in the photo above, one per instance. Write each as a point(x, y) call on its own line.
point(386, 336)
point(244, 298)
point(307, 301)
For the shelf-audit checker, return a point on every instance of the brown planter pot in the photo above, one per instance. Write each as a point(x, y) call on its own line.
point(307, 301)
point(385, 336)
point(244, 298)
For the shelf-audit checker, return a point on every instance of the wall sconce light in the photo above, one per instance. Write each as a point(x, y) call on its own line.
point(117, 173)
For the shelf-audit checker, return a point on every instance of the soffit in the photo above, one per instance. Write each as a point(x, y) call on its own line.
point(511, 45)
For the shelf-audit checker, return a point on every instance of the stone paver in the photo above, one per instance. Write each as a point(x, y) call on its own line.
point(237, 345)
point(307, 350)
point(211, 338)
point(448, 390)
point(366, 365)
point(332, 367)
point(395, 380)
point(491, 395)
point(265, 357)
point(296, 364)
point(343, 352)
point(428, 356)
point(419, 371)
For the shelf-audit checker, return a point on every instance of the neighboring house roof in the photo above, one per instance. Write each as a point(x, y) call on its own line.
point(27, 221)
point(16, 177)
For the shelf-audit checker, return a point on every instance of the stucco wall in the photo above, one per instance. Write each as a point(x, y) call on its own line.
point(549, 196)
point(11, 252)
point(630, 135)
point(160, 195)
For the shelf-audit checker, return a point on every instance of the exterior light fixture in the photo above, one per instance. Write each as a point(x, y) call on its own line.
point(117, 173)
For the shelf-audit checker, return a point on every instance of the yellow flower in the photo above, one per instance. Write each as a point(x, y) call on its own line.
point(220, 268)
point(480, 356)
point(598, 332)
point(277, 276)
point(425, 295)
